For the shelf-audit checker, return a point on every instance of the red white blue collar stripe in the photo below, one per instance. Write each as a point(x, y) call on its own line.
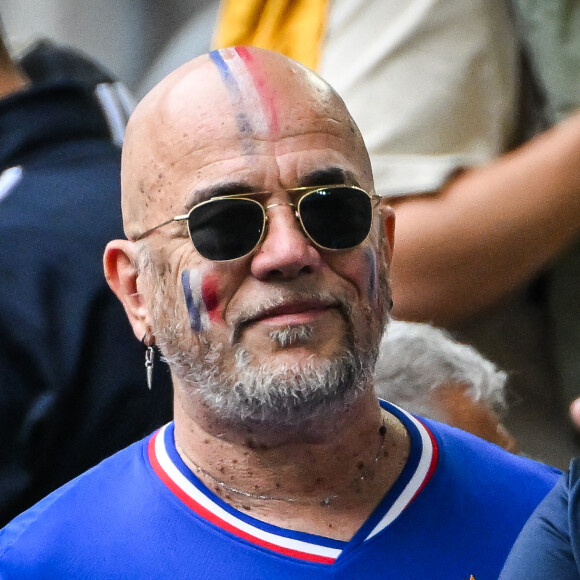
point(169, 467)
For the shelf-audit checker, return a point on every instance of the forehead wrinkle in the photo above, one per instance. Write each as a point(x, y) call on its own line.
point(313, 178)
point(328, 171)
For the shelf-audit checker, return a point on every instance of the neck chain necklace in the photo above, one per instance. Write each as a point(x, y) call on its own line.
point(325, 501)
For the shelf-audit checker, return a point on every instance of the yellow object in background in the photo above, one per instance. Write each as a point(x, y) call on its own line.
point(293, 27)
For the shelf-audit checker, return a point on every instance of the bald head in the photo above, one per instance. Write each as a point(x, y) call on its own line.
point(231, 106)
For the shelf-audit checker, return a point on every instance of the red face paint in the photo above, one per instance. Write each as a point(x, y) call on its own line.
point(209, 295)
point(263, 87)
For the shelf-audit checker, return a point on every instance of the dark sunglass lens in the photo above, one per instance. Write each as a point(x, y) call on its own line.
point(226, 229)
point(337, 218)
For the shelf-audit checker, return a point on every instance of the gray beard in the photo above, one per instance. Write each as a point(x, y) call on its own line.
point(288, 394)
point(238, 389)
point(276, 394)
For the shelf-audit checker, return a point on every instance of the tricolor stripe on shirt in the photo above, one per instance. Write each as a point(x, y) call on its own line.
point(191, 492)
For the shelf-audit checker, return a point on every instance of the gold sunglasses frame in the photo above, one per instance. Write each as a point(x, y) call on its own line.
point(308, 190)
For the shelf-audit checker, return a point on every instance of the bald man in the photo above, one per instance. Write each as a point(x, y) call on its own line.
point(256, 261)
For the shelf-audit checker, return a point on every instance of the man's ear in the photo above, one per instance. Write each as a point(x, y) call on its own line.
point(388, 221)
point(121, 273)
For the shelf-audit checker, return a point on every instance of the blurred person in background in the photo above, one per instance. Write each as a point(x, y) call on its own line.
point(72, 380)
point(425, 371)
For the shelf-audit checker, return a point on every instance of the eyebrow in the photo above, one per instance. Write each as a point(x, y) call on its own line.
point(329, 176)
point(218, 190)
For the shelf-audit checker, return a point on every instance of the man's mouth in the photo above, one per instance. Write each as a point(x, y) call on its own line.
point(291, 314)
point(289, 311)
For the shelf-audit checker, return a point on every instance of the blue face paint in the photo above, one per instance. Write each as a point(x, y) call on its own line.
point(244, 126)
point(371, 260)
point(193, 305)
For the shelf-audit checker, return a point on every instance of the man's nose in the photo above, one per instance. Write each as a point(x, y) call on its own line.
point(286, 252)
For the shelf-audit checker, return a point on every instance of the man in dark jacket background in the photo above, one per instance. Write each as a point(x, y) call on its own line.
point(68, 360)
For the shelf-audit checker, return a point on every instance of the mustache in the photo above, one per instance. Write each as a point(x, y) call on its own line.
point(327, 299)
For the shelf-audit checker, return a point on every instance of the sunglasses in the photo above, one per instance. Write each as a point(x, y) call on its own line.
point(333, 217)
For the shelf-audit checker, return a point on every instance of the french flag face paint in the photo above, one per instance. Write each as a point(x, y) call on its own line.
point(192, 281)
point(252, 98)
point(201, 299)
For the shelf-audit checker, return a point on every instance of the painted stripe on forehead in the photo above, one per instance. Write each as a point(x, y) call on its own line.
point(263, 87)
point(252, 99)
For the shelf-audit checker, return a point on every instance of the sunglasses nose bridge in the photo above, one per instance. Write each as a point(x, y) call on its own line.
point(284, 203)
point(292, 205)
point(295, 211)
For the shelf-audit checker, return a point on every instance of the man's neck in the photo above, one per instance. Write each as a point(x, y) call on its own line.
point(325, 481)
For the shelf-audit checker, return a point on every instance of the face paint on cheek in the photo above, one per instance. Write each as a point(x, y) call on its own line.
point(253, 101)
point(210, 299)
point(191, 281)
point(373, 267)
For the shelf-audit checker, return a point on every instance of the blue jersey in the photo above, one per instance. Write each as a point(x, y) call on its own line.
point(454, 512)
